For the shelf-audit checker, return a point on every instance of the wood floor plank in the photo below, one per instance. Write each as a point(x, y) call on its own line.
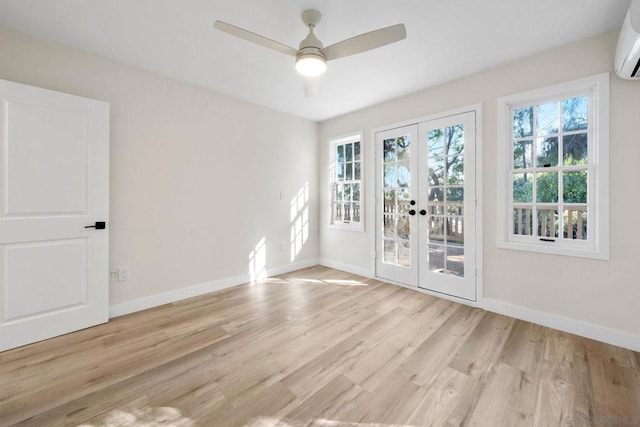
point(439, 348)
point(318, 347)
point(508, 399)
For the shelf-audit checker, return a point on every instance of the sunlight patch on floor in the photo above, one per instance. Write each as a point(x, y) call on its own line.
point(329, 281)
point(320, 422)
point(148, 417)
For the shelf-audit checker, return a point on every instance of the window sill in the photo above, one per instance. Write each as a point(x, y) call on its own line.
point(347, 227)
point(552, 248)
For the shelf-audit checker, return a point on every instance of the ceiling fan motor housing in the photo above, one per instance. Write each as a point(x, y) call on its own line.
point(310, 61)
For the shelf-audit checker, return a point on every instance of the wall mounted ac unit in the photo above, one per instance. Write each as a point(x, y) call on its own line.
point(627, 60)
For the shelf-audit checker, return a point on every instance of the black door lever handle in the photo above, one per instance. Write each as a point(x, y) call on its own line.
point(100, 225)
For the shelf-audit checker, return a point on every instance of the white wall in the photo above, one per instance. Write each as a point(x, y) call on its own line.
point(196, 176)
point(602, 294)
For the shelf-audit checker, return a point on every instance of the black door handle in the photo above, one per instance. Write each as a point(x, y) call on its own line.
point(412, 212)
point(100, 225)
point(413, 202)
point(423, 212)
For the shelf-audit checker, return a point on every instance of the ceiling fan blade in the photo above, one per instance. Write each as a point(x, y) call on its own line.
point(310, 86)
point(365, 42)
point(255, 38)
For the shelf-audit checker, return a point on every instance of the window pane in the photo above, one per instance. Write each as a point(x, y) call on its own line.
point(390, 251)
point(389, 201)
point(548, 222)
point(356, 212)
point(346, 215)
point(389, 148)
point(340, 158)
point(522, 221)
point(403, 195)
point(454, 141)
point(436, 229)
point(348, 152)
point(455, 170)
point(522, 120)
point(403, 148)
point(436, 142)
point(574, 149)
point(389, 226)
point(348, 172)
point(337, 213)
point(547, 152)
point(435, 208)
point(574, 187)
point(356, 192)
point(404, 176)
point(522, 188)
point(436, 171)
point(389, 175)
point(403, 202)
point(404, 253)
point(547, 118)
point(340, 171)
point(436, 258)
point(436, 194)
point(339, 192)
point(347, 192)
point(547, 187)
point(455, 260)
point(575, 113)
point(455, 208)
point(522, 154)
point(356, 151)
point(455, 194)
point(575, 222)
point(455, 229)
point(404, 227)
point(356, 170)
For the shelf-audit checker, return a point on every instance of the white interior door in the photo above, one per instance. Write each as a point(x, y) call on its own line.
point(54, 158)
point(426, 205)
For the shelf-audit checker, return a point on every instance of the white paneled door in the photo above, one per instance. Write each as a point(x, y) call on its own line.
point(54, 194)
point(426, 205)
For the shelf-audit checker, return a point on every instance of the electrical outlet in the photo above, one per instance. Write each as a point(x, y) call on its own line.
point(123, 274)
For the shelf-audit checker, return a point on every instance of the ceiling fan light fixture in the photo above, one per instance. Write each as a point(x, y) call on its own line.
point(310, 65)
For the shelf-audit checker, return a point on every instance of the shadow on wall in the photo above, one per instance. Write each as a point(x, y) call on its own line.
point(299, 208)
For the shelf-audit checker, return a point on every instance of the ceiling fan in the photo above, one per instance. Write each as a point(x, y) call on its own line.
point(311, 56)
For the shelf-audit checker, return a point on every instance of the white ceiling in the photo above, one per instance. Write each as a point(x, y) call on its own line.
point(446, 39)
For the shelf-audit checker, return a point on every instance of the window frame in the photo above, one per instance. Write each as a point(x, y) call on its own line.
point(333, 144)
point(597, 244)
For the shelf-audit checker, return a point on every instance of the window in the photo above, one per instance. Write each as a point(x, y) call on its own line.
point(553, 169)
point(346, 183)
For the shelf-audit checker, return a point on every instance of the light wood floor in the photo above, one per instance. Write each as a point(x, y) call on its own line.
point(319, 347)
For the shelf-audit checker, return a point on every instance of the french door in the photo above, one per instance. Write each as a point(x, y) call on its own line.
point(426, 205)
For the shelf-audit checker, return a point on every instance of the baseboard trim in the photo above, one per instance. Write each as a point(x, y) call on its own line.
point(576, 327)
point(346, 267)
point(151, 301)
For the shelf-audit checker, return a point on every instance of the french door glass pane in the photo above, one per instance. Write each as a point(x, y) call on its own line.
point(396, 181)
point(445, 160)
